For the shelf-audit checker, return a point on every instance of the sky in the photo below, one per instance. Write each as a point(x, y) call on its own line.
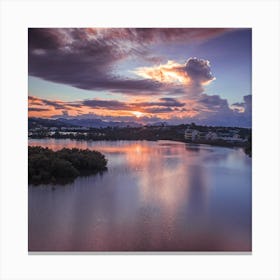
point(145, 75)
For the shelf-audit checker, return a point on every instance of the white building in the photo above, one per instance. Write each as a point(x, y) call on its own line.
point(211, 136)
point(191, 134)
point(230, 137)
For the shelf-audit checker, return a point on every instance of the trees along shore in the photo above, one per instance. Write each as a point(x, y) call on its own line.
point(46, 166)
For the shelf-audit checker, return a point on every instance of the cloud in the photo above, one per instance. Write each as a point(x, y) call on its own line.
point(86, 57)
point(162, 102)
point(199, 70)
point(248, 103)
point(34, 109)
point(157, 110)
point(171, 72)
point(44, 39)
point(92, 72)
point(107, 104)
point(205, 109)
point(245, 106)
point(213, 102)
point(161, 105)
point(189, 78)
point(54, 104)
point(75, 58)
point(155, 35)
point(65, 113)
point(213, 110)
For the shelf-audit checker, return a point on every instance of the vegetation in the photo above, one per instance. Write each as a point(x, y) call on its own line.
point(63, 166)
point(148, 132)
point(248, 147)
point(153, 133)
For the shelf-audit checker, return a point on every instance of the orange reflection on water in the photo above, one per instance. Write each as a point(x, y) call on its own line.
point(164, 178)
point(155, 196)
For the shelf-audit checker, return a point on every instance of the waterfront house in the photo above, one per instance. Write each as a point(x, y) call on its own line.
point(191, 134)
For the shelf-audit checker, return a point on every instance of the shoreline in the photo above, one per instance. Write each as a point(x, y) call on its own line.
point(209, 143)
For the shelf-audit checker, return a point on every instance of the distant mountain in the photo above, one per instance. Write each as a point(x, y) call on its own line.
point(70, 122)
point(39, 122)
point(96, 123)
point(158, 124)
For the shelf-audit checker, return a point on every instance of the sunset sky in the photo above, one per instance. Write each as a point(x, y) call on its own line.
point(177, 75)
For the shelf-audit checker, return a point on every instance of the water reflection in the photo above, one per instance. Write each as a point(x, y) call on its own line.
point(156, 196)
point(192, 147)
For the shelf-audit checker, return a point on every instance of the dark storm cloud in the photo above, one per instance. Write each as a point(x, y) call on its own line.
point(32, 100)
point(216, 111)
point(35, 101)
point(213, 101)
point(163, 102)
point(73, 57)
point(199, 70)
point(171, 102)
point(157, 110)
point(162, 105)
point(152, 35)
point(33, 109)
point(85, 71)
point(47, 104)
point(239, 104)
point(106, 104)
point(85, 58)
point(246, 105)
point(56, 105)
point(43, 38)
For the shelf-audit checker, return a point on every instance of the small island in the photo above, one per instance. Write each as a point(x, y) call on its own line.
point(46, 166)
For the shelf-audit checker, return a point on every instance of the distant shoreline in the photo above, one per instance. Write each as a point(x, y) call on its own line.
point(245, 146)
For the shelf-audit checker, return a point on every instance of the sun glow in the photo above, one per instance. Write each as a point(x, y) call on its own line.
point(138, 114)
point(171, 72)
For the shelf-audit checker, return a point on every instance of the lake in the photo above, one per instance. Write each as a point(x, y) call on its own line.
point(155, 196)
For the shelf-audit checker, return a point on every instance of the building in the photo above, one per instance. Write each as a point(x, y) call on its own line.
point(202, 135)
point(211, 136)
point(230, 137)
point(226, 136)
point(191, 134)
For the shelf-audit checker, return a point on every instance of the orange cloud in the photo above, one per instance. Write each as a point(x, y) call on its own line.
point(195, 72)
point(164, 108)
point(171, 72)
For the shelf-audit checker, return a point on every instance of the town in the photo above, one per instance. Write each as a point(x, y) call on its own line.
point(189, 133)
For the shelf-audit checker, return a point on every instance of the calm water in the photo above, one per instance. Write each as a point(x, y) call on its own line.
point(155, 196)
